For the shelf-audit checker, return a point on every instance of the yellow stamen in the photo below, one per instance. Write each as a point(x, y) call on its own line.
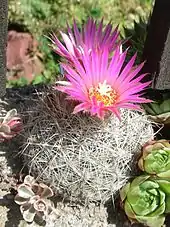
point(103, 93)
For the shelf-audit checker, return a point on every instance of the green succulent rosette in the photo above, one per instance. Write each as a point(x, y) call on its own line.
point(136, 36)
point(146, 200)
point(156, 158)
point(159, 109)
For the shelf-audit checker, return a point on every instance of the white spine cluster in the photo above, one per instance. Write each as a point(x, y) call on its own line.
point(82, 156)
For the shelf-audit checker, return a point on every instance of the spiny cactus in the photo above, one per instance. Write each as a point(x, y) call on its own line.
point(82, 156)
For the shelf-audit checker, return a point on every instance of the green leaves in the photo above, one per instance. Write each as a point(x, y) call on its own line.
point(159, 110)
point(152, 221)
point(145, 200)
point(155, 158)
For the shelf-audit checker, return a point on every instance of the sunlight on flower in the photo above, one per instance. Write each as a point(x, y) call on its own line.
point(102, 84)
point(96, 71)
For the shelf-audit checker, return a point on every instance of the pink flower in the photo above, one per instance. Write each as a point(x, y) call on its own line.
point(90, 37)
point(103, 85)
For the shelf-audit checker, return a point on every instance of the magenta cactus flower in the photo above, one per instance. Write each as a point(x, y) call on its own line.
point(103, 85)
point(91, 36)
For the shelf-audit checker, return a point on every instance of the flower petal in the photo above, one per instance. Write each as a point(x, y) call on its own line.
point(95, 57)
point(80, 107)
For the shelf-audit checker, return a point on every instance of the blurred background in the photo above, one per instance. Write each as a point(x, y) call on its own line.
point(29, 57)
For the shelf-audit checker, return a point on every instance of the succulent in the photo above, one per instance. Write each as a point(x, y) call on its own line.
point(146, 200)
point(136, 36)
point(159, 110)
point(156, 158)
point(10, 125)
point(33, 199)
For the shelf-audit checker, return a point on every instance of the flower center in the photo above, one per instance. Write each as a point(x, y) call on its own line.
point(104, 93)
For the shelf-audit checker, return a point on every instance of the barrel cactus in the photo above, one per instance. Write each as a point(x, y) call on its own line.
point(82, 156)
point(83, 140)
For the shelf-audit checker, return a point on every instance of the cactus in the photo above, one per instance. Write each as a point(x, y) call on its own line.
point(82, 156)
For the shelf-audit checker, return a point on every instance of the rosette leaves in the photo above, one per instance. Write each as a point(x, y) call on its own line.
point(146, 201)
point(155, 158)
point(33, 199)
point(10, 125)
